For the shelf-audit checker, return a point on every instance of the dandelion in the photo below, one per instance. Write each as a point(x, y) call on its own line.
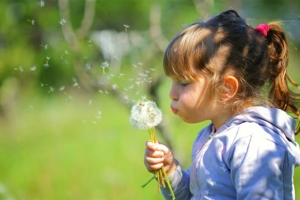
point(146, 115)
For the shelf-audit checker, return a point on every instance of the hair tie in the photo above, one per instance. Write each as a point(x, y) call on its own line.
point(263, 29)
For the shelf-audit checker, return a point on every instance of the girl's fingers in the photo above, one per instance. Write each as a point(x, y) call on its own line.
point(157, 147)
point(155, 154)
point(153, 161)
point(153, 167)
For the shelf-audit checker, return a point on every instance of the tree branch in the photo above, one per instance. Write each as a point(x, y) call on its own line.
point(88, 18)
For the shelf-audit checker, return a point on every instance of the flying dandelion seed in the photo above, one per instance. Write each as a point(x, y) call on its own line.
point(90, 102)
point(116, 57)
point(45, 46)
point(88, 66)
point(62, 22)
point(51, 89)
point(41, 3)
point(20, 68)
point(126, 27)
point(99, 114)
point(31, 106)
point(104, 65)
point(126, 98)
point(62, 88)
point(115, 86)
point(33, 68)
point(101, 91)
point(121, 75)
point(32, 21)
point(75, 83)
point(66, 52)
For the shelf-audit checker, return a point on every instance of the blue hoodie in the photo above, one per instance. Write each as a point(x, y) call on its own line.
point(251, 156)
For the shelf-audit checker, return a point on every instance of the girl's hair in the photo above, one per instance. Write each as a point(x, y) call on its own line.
point(227, 44)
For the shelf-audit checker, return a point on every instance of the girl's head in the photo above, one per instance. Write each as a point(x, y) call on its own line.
point(226, 45)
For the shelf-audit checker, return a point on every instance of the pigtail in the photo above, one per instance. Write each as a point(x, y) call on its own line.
point(283, 97)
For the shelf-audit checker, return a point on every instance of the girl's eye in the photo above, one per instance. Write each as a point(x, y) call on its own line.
point(183, 83)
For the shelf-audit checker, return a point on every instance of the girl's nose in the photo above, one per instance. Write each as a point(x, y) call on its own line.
point(173, 94)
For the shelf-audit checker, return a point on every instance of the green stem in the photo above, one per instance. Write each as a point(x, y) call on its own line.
point(168, 182)
point(152, 135)
point(145, 184)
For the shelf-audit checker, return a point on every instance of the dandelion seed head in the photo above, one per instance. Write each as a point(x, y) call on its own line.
point(145, 115)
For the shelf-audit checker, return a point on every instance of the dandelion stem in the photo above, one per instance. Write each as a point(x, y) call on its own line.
point(161, 174)
point(145, 184)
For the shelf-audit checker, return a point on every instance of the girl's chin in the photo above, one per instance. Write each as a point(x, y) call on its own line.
point(189, 120)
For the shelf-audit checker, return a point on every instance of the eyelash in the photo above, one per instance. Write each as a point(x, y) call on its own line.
point(183, 83)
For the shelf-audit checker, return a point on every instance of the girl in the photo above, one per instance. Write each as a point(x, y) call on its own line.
point(225, 71)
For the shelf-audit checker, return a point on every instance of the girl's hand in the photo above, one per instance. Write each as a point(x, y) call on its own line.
point(158, 155)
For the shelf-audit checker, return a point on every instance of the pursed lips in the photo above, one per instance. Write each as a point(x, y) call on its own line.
point(174, 110)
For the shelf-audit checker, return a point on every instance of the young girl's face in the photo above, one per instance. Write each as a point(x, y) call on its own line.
point(190, 100)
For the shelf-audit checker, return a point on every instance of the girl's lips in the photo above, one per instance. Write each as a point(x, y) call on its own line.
point(175, 111)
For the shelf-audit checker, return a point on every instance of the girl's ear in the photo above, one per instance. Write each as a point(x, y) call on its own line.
point(231, 86)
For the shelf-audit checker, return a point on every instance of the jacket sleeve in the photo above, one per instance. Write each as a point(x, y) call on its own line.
point(180, 181)
point(260, 169)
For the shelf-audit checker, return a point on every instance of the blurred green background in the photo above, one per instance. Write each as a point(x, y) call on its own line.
point(69, 73)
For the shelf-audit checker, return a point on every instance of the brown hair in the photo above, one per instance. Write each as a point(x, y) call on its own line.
point(226, 43)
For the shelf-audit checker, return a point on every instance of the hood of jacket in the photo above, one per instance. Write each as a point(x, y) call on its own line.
point(275, 119)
